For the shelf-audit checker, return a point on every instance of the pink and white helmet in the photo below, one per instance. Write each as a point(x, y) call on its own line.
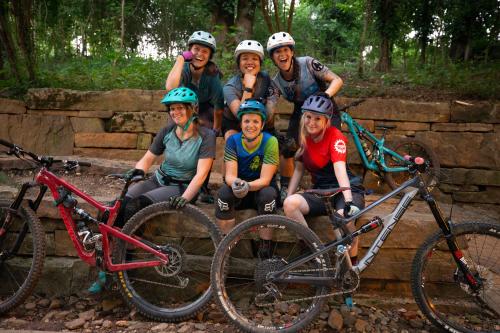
point(249, 46)
point(279, 39)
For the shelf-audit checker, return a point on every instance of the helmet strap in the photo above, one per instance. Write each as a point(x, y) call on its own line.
point(251, 140)
point(195, 67)
point(291, 64)
point(188, 123)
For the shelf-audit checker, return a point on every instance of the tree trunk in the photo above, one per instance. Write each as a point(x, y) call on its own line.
point(290, 17)
point(245, 18)
point(423, 48)
point(223, 16)
point(362, 40)
point(264, 7)
point(122, 35)
point(23, 12)
point(277, 15)
point(2, 62)
point(384, 61)
point(7, 41)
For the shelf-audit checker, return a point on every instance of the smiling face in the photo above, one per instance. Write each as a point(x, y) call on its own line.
point(282, 58)
point(201, 54)
point(249, 63)
point(251, 125)
point(314, 123)
point(179, 113)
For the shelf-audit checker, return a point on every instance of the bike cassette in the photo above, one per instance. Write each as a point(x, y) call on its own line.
point(349, 281)
point(263, 269)
point(176, 260)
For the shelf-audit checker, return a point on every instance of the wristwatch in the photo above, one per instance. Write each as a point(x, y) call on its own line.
point(247, 89)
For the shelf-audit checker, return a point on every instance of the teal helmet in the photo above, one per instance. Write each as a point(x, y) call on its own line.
point(180, 95)
point(252, 106)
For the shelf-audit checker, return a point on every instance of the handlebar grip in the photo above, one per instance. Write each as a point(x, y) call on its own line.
point(6, 143)
point(85, 164)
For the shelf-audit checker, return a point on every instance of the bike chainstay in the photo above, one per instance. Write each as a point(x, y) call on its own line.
point(312, 297)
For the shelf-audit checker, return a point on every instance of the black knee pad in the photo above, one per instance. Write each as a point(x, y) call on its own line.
point(266, 199)
point(224, 205)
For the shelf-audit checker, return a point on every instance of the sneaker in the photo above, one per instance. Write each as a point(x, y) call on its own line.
point(98, 285)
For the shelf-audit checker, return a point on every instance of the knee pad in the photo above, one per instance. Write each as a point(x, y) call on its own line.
point(267, 200)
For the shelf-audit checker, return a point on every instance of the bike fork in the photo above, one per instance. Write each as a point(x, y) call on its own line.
point(446, 228)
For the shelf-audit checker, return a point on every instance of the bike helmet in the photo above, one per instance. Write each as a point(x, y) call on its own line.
point(318, 104)
point(278, 40)
point(180, 95)
point(249, 46)
point(203, 38)
point(252, 106)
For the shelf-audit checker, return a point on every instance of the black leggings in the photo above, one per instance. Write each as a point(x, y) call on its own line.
point(143, 194)
point(264, 200)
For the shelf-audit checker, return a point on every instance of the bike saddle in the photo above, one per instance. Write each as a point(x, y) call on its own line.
point(329, 192)
point(385, 127)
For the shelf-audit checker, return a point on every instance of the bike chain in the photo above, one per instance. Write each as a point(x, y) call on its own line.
point(313, 297)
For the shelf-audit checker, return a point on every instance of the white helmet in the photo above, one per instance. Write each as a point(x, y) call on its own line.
point(203, 38)
point(279, 39)
point(249, 46)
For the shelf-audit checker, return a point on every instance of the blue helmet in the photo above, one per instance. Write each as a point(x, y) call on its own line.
point(180, 95)
point(318, 104)
point(252, 106)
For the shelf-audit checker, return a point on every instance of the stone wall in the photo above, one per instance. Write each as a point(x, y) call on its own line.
point(121, 124)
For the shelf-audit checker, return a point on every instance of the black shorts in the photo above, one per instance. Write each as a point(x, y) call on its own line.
point(317, 206)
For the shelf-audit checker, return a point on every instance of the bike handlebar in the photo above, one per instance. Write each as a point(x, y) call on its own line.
point(46, 161)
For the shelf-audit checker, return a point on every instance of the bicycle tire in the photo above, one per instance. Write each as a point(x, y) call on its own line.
point(443, 295)
point(230, 266)
point(20, 273)
point(144, 295)
point(412, 147)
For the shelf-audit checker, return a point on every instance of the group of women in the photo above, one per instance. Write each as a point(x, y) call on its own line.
point(252, 155)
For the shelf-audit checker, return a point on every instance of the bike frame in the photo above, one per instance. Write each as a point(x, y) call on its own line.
point(377, 163)
point(45, 179)
point(410, 189)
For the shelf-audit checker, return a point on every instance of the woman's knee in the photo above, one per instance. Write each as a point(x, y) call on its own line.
point(292, 204)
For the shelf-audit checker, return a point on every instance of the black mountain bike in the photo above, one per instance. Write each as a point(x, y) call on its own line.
point(455, 275)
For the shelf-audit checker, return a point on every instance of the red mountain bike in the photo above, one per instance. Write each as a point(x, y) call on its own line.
point(161, 269)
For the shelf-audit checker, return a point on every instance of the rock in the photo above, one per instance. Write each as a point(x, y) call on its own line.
point(408, 315)
point(44, 302)
point(12, 106)
point(200, 326)
point(62, 315)
point(107, 324)
point(293, 309)
point(98, 321)
point(75, 324)
point(54, 134)
point(184, 329)
point(48, 316)
point(81, 305)
point(110, 304)
point(160, 327)
point(335, 320)
point(15, 322)
point(106, 140)
point(87, 315)
point(55, 303)
point(477, 112)
point(416, 323)
point(111, 153)
point(30, 306)
point(122, 323)
point(361, 325)
point(149, 122)
point(87, 125)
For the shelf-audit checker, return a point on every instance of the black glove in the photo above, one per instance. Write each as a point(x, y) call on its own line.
point(323, 94)
point(177, 202)
point(350, 209)
point(134, 172)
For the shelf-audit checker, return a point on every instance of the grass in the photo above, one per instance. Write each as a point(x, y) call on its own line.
point(472, 81)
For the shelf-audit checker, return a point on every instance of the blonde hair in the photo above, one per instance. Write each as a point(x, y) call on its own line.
point(303, 134)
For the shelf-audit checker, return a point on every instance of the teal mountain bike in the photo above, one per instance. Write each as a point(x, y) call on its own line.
point(387, 164)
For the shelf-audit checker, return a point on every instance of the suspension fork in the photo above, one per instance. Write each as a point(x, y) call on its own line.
point(446, 228)
point(14, 207)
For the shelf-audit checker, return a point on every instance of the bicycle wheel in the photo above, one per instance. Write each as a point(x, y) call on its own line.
point(180, 289)
point(412, 147)
point(22, 252)
point(253, 304)
point(441, 291)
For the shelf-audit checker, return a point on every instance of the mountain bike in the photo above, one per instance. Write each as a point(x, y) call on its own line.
point(160, 269)
point(455, 276)
point(384, 162)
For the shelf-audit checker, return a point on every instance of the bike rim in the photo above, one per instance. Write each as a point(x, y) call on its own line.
point(448, 296)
